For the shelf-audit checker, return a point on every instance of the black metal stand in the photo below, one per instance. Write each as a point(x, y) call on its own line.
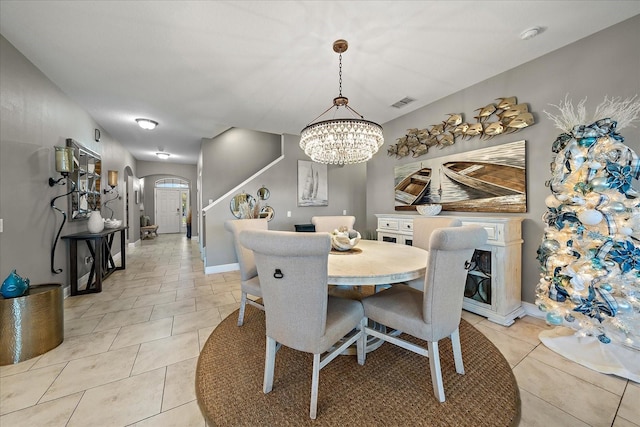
point(100, 246)
point(53, 182)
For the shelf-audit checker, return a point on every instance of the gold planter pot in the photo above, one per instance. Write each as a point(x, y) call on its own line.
point(32, 324)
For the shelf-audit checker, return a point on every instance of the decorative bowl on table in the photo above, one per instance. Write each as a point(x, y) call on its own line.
point(344, 240)
point(112, 223)
point(429, 210)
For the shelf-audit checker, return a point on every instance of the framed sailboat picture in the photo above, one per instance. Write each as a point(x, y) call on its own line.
point(491, 179)
point(312, 184)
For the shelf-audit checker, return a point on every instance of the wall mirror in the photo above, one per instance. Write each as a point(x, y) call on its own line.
point(263, 193)
point(86, 177)
point(242, 205)
point(267, 212)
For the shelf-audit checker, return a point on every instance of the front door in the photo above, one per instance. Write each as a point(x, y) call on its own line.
point(168, 215)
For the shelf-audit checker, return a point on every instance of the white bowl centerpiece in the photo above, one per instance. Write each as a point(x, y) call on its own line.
point(112, 223)
point(344, 239)
point(429, 210)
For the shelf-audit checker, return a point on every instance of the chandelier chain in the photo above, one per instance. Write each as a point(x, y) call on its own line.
point(340, 75)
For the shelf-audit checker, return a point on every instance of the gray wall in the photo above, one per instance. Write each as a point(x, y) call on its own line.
point(36, 116)
point(345, 193)
point(232, 156)
point(605, 64)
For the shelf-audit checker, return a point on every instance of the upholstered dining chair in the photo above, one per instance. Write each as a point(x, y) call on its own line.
point(249, 281)
point(435, 313)
point(299, 313)
point(329, 223)
point(423, 227)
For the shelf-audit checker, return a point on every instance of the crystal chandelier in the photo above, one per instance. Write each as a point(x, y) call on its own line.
point(345, 140)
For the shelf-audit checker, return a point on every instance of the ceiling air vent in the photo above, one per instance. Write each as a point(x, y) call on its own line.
point(404, 101)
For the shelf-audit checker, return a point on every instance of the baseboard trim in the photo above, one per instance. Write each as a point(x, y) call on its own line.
point(532, 310)
point(223, 268)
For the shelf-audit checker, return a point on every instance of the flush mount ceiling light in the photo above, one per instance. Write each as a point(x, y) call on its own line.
point(163, 155)
point(530, 33)
point(147, 124)
point(341, 141)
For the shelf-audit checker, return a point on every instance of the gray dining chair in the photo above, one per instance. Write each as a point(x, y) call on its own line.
point(299, 313)
point(249, 280)
point(328, 223)
point(423, 227)
point(435, 313)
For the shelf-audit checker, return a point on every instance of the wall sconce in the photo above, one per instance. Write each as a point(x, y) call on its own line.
point(112, 181)
point(64, 165)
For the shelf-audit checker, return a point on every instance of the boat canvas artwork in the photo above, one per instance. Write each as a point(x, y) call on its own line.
point(485, 180)
point(312, 184)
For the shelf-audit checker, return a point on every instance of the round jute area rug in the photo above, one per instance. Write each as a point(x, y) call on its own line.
point(393, 388)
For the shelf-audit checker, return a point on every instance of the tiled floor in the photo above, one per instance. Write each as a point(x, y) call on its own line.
point(130, 353)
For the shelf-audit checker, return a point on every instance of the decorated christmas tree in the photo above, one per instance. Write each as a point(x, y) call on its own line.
point(590, 252)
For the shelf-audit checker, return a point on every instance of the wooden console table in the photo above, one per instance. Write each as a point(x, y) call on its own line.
point(103, 265)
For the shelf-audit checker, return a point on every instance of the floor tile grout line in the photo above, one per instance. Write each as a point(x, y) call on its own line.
point(580, 378)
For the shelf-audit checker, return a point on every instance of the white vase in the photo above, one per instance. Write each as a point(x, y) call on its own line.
point(95, 224)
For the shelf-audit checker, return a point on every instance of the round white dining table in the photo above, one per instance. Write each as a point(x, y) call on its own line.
point(376, 263)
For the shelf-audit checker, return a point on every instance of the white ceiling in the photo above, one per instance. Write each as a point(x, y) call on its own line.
point(200, 67)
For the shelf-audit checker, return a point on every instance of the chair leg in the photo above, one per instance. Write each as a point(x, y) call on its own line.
point(362, 342)
point(269, 364)
point(243, 303)
point(436, 373)
point(315, 379)
point(457, 351)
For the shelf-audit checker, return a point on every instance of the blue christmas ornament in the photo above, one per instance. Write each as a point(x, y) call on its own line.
point(604, 339)
point(554, 319)
point(606, 287)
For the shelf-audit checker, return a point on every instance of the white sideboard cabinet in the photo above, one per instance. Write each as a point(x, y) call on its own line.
point(493, 286)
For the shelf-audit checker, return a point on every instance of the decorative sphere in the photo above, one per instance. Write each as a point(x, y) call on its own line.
point(607, 287)
point(600, 183)
point(590, 217)
point(617, 207)
point(554, 318)
point(551, 245)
